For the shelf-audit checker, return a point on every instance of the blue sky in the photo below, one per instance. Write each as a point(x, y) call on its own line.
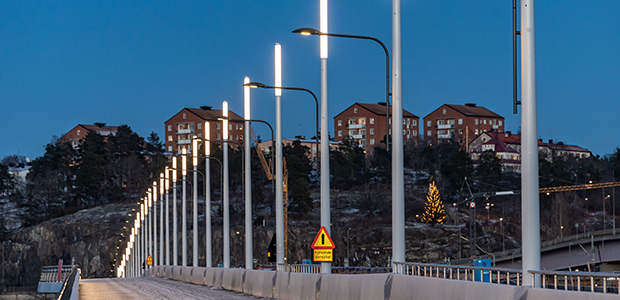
point(64, 63)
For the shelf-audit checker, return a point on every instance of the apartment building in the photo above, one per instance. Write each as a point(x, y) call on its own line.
point(75, 135)
point(365, 124)
point(461, 123)
point(190, 122)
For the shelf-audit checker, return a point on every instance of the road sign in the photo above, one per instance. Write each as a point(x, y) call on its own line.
point(149, 260)
point(472, 204)
point(323, 247)
point(323, 240)
point(323, 255)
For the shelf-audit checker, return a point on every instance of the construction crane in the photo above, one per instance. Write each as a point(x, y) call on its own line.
point(267, 168)
point(578, 187)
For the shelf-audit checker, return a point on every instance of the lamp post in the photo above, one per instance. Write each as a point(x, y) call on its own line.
point(195, 205)
point(175, 254)
point(501, 222)
point(316, 102)
point(161, 219)
point(155, 254)
point(226, 217)
point(249, 256)
point(312, 31)
point(184, 209)
point(167, 188)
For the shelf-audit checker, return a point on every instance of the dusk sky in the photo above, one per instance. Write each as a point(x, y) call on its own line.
point(64, 63)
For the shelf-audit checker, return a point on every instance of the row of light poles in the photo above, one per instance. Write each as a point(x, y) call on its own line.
point(397, 160)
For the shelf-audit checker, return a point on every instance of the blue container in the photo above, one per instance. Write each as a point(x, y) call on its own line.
point(482, 275)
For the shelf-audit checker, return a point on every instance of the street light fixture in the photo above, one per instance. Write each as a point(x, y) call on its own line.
point(316, 102)
point(311, 31)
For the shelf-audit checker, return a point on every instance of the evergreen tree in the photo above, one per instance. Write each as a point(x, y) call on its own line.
point(299, 167)
point(434, 212)
point(489, 171)
point(91, 172)
point(7, 182)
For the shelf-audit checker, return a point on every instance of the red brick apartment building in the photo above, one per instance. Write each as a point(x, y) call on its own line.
point(190, 122)
point(365, 124)
point(75, 135)
point(461, 123)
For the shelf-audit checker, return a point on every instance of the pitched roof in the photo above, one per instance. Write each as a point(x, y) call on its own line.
point(101, 130)
point(378, 109)
point(473, 110)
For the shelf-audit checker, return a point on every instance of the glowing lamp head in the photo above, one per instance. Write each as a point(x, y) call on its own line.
point(278, 69)
point(183, 162)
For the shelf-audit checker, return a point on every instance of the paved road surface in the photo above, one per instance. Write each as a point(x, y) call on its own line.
point(151, 288)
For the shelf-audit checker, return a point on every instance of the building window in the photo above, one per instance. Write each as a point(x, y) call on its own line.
point(476, 131)
point(476, 121)
point(339, 132)
point(169, 127)
point(372, 120)
point(218, 137)
point(404, 122)
point(355, 110)
point(217, 126)
point(428, 123)
point(169, 148)
point(484, 122)
point(184, 116)
point(200, 135)
point(241, 127)
point(414, 122)
point(414, 132)
point(372, 141)
point(351, 121)
point(229, 126)
point(408, 121)
point(460, 121)
point(199, 125)
point(170, 138)
point(404, 132)
point(444, 111)
point(230, 137)
point(372, 131)
point(361, 121)
point(500, 123)
point(339, 122)
point(429, 133)
point(78, 132)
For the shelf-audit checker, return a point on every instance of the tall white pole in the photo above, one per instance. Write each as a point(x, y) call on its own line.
point(184, 209)
point(150, 225)
point(249, 256)
point(142, 235)
point(167, 191)
point(326, 267)
point(279, 169)
point(208, 247)
point(161, 219)
point(398, 183)
point(195, 205)
point(226, 217)
point(155, 255)
point(175, 247)
point(530, 213)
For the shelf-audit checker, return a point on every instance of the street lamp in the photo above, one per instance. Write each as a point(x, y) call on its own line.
point(501, 222)
point(312, 31)
point(316, 102)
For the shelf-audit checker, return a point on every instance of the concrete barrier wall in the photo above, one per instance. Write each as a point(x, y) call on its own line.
point(302, 286)
point(198, 275)
point(414, 287)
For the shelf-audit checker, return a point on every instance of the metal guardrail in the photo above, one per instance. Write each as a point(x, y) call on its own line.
point(67, 287)
point(299, 268)
point(457, 272)
point(50, 273)
point(579, 281)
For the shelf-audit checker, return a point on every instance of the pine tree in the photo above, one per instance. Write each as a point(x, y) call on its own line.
point(434, 212)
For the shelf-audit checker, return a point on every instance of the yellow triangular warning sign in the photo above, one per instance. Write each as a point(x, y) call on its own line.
point(149, 260)
point(323, 240)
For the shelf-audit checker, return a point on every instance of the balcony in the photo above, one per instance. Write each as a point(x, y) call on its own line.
point(184, 142)
point(356, 126)
point(444, 136)
point(357, 136)
point(445, 126)
point(185, 131)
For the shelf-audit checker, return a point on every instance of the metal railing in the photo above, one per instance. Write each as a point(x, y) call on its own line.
point(299, 268)
point(67, 287)
point(466, 273)
point(579, 281)
point(51, 274)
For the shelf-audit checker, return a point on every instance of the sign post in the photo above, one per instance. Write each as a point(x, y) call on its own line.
point(323, 247)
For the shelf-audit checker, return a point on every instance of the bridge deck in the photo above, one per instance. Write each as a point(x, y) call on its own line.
point(151, 288)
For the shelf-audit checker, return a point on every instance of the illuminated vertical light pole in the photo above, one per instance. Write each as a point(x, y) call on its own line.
point(208, 249)
point(226, 246)
point(398, 182)
point(150, 223)
point(184, 209)
point(195, 204)
point(175, 235)
point(155, 255)
point(161, 219)
point(167, 188)
point(279, 170)
point(326, 267)
point(249, 256)
point(530, 205)
point(142, 235)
